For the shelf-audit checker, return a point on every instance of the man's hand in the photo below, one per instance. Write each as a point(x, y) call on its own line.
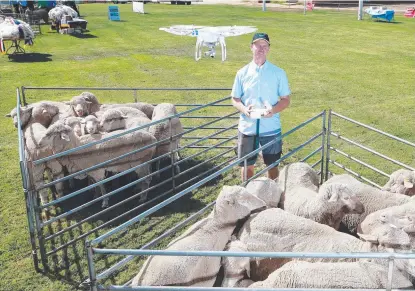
point(268, 113)
point(247, 110)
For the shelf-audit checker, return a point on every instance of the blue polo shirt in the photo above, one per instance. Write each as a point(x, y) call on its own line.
point(260, 86)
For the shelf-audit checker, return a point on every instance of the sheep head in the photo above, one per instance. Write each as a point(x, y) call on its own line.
point(342, 196)
point(388, 235)
point(44, 112)
point(234, 203)
point(79, 105)
point(25, 115)
point(75, 124)
point(57, 137)
point(402, 216)
point(401, 181)
point(265, 189)
point(92, 124)
point(235, 267)
point(111, 120)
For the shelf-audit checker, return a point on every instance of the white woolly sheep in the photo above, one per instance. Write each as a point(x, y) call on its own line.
point(121, 118)
point(142, 106)
point(25, 115)
point(165, 130)
point(401, 216)
point(298, 174)
point(401, 181)
point(236, 269)
point(265, 189)
point(276, 230)
point(339, 275)
point(91, 124)
point(328, 206)
point(372, 198)
point(45, 113)
point(84, 104)
point(33, 133)
point(232, 204)
point(61, 137)
point(75, 124)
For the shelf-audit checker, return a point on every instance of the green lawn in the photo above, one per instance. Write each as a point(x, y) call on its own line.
point(361, 69)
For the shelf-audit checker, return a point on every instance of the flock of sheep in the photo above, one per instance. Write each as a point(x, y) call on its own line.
point(296, 214)
point(52, 127)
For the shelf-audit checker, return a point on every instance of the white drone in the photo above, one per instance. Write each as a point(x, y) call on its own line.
point(209, 36)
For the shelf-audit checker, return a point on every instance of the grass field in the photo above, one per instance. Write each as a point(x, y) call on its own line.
point(362, 69)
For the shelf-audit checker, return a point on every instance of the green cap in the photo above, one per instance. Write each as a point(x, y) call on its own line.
point(260, 35)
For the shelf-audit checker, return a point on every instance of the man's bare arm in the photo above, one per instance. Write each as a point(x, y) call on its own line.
point(236, 102)
point(280, 106)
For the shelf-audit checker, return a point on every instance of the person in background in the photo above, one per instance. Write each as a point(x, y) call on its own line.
point(260, 92)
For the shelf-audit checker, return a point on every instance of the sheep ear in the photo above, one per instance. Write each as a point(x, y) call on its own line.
point(8, 115)
point(88, 102)
point(67, 102)
point(408, 184)
point(65, 136)
point(124, 116)
point(368, 237)
point(334, 197)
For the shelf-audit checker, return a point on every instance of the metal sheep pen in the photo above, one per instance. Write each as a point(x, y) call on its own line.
point(212, 141)
point(93, 250)
point(60, 229)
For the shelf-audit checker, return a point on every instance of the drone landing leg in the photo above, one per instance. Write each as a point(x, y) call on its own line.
point(223, 48)
point(198, 52)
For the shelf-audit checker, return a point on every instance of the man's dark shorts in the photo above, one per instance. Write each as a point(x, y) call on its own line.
point(246, 144)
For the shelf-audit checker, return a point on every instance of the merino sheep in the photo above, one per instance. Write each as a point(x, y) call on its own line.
point(165, 130)
point(236, 269)
point(213, 233)
point(35, 118)
point(91, 124)
point(45, 113)
point(339, 275)
point(121, 118)
point(328, 206)
point(33, 134)
point(142, 106)
point(61, 137)
point(84, 104)
point(372, 198)
point(298, 174)
point(25, 115)
point(401, 181)
point(401, 216)
point(276, 230)
point(265, 189)
point(75, 124)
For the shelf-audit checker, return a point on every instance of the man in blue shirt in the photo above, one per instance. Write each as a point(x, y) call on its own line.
point(260, 91)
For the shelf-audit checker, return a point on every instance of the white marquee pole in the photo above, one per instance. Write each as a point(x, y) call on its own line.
point(360, 11)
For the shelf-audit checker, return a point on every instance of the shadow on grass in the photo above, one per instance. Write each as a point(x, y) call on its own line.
point(30, 58)
point(69, 264)
point(83, 35)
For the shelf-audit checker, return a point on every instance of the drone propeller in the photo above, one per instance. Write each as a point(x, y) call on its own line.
point(189, 30)
point(225, 31)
